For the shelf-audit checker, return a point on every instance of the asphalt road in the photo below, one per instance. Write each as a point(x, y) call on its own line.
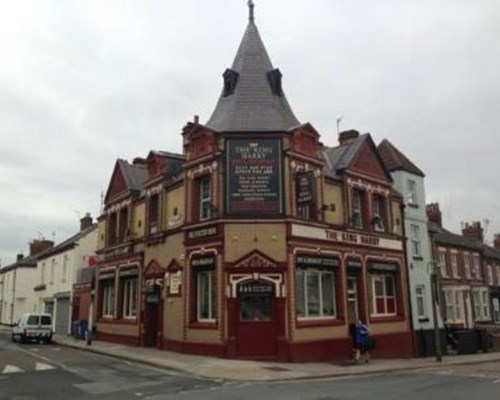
point(54, 372)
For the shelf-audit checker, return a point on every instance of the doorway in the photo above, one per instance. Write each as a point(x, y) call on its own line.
point(256, 327)
point(152, 316)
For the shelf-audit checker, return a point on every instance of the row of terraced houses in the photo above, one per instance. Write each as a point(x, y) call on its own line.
point(258, 240)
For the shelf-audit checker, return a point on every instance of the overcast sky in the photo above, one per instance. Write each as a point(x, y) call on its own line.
point(85, 82)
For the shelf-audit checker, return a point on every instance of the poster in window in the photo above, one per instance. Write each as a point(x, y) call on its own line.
point(254, 177)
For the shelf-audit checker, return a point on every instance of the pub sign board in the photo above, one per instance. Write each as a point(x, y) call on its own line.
point(254, 177)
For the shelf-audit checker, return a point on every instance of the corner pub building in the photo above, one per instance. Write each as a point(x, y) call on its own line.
point(258, 241)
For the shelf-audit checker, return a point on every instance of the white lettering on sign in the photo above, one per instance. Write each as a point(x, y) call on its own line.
point(345, 237)
point(175, 282)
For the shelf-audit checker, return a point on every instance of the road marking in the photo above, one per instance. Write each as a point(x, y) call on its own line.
point(11, 369)
point(43, 367)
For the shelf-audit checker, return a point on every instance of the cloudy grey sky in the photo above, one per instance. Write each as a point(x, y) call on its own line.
point(85, 82)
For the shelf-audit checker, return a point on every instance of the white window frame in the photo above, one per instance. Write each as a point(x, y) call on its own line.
point(108, 298)
point(129, 298)
point(205, 197)
point(489, 270)
point(420, 297)
point(416, 248)
point(199, 299)
point(477, 266)
point(454, 264)
point(442, 263)
point(384, 296)
point(467, 263)
point(357, 209)
point(481, 300)
point(454, 305)
point(411, 193)
point(378, 205)
point(303, 285)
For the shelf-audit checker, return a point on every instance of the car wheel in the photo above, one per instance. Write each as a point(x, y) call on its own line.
point(23, 338)
point(13, 337)
point(48, 340)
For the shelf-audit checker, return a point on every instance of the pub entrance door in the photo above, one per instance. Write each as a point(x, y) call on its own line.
point(257, 323)
point(152, 320)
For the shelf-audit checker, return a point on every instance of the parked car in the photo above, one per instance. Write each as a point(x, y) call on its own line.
point(33, 327)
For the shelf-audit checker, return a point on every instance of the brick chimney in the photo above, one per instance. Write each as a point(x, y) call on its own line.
point(473, 231)
point(86, 222)
point(19, 257)
point(139, 161)
point(39, 245)
point(434, 214)
point(496, 240)
point(346, 137)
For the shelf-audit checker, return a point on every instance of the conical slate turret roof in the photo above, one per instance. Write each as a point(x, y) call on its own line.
point(252, 99)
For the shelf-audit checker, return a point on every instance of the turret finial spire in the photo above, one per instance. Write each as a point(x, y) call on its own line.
point(251, 7)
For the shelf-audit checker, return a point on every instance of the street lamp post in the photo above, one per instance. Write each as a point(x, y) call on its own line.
point(435, 310)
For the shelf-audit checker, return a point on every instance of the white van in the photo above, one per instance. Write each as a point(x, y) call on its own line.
point(36, 327)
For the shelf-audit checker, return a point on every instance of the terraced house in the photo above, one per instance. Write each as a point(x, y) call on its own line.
point(258, 241)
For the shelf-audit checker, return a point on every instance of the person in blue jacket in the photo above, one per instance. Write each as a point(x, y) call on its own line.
point(361, 341)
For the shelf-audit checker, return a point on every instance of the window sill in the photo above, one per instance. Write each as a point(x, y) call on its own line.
point(386, 318)
point(312, 323)
point(203, 325)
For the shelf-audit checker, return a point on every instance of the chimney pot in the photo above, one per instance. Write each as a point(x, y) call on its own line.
point(346, 137)
point(39, 245)
point(473, 231)
point(434, 214)
point(20, 256)
point(86, 222)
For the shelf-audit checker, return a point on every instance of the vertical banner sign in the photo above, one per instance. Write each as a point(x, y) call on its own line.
point(305, 187)
point(254, 177)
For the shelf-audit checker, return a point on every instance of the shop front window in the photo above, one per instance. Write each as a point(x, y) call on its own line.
point(383, 295)
point(315, 293)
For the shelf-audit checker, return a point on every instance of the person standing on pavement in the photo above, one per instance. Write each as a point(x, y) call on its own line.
point(362, 342)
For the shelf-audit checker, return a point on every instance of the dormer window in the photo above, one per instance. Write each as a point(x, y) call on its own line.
point(357, 209)
point(230, 80)
point(378, 210)
point(274, 78)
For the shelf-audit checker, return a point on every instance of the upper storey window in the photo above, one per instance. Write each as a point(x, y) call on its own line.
point(204, 198)
point(117, 226)
point(357, 208)
point(153, 213)
point(411, 192)
point(379, 214)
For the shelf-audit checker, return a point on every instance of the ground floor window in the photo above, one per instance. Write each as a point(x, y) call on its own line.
point(107, 297)
point(481, 304)
point(453, 305)
point(129, 298)
point(383, 295)
point(315, 293)
point(420, 299)
point(205, 295)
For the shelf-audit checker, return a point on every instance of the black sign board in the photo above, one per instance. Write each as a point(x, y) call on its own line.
point(254, 177)
point(316, 261)
point(203, 262)
point(305, 187)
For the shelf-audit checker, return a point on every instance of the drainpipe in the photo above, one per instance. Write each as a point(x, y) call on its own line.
point(434, 295)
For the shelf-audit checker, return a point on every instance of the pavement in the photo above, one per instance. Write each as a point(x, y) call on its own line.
point(242, 370)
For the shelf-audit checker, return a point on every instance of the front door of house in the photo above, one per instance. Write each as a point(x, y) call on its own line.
point(256, 327)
